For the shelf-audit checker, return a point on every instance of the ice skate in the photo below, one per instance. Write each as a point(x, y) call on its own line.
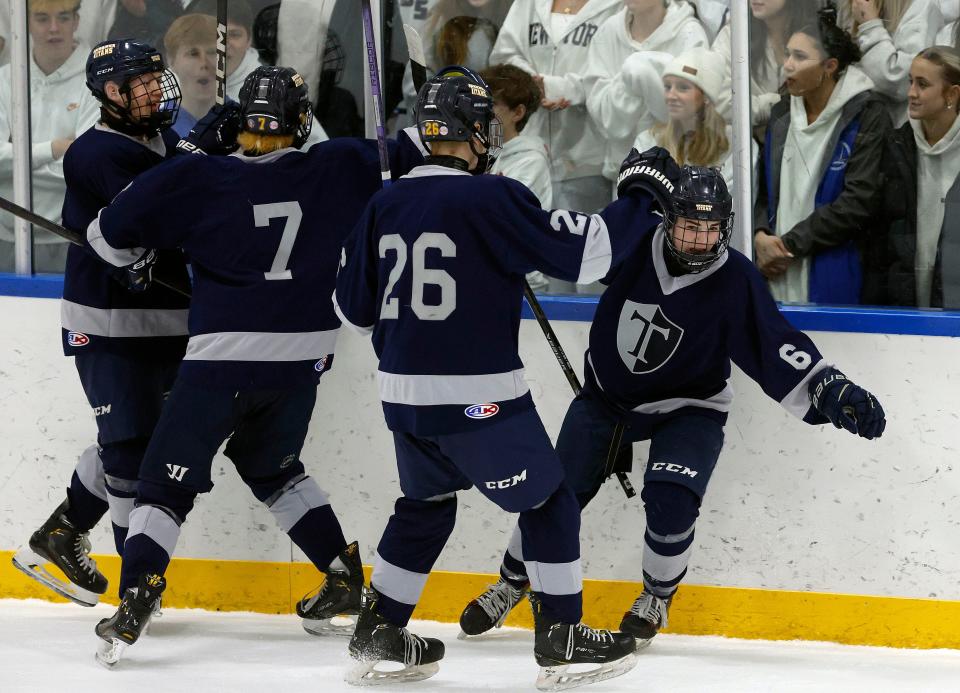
point(560, 646)
point(376, 642)
point(133, 615)
point(60, 544)
point(646, 617)
point(490, 609)
point(340, 595)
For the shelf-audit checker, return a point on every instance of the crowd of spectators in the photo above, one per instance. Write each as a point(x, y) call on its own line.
point(854, 108)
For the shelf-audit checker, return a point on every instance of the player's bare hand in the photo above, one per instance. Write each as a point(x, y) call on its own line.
point(864, 10)
point(59, 146)
point(772, 255)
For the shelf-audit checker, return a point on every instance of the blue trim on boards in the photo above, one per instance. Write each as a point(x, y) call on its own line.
point(933, 323)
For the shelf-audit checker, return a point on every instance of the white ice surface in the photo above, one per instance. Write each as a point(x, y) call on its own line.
point(49, 647)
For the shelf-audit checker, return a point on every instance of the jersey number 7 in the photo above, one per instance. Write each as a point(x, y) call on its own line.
point(422, 277)
point(291, 211)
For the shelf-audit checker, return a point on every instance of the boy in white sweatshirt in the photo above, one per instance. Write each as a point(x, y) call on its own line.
point(61, 109)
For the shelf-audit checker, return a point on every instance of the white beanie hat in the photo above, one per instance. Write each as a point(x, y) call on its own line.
point(700, 66)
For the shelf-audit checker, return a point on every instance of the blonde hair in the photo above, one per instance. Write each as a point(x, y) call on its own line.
point(53, 6)
point(705, 147)
point(891, 12)
point(189, 30)
point(254, 144)
point(947, 58)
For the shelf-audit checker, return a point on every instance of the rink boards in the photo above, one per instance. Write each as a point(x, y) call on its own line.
point(805, 533)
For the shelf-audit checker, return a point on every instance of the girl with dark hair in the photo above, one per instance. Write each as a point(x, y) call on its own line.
point(921, 263)
point(462, 32)
point(819, 179)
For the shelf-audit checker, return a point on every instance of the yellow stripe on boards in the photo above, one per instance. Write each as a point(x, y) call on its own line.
point(697, 610)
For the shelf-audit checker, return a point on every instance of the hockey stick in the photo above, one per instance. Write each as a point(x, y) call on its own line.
point(221, 52)
point(374, 69)
point(418, 70)
point(73, 237)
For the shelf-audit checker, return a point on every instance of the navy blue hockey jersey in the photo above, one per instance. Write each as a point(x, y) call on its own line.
point(435, 271)
point(263, 235)
point(660, 343)
point(97, 311)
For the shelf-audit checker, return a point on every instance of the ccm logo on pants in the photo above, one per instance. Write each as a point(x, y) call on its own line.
point(507, 483)
point(671, 467)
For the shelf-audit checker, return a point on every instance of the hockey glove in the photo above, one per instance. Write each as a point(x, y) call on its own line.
point(139, 275)
point(847, 405)
point(215, 133)
point(653, 172)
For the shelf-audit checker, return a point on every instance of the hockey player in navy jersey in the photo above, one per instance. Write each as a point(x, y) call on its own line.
point(264, 256)
point(675, 313)
point(127, 344)
point(434, 270)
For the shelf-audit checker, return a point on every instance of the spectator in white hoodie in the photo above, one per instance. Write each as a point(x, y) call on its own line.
point(550, 39)
point(242, 57)
point(523, 157)
point(462, 32)
point(949, 35)
point(890, 33)
point(61, 108)
point(622, 79)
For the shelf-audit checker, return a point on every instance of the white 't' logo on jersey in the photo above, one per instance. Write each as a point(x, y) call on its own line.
point(646, 338)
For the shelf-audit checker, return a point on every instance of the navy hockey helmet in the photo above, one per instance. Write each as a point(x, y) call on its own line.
point(700, 194)
point(150, 91)
point(275, 101)
point(457, 106)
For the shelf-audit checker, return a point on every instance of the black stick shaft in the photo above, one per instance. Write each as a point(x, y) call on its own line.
point(221, 52)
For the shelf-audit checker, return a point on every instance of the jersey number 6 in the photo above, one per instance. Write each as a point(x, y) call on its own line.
point(422, 277)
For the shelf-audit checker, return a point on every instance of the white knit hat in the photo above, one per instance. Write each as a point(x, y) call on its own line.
point(701, 67)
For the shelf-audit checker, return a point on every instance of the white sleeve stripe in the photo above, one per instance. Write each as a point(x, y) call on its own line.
point(597, 254)
point(797, 401)
point(119, 257)
point(343, 318)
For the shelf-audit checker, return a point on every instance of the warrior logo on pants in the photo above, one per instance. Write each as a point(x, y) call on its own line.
point(646, 338)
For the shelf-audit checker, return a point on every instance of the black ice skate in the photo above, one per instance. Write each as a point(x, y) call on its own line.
point(558, 646)
point(376, 641)
point(646, 617)
point(59, 543)
point(339, 595)
point(133, 615)
point(490, 609)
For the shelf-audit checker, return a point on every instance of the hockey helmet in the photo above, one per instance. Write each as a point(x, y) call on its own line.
point(275, 101)
point(457, 106)
point(700, 194)
point(129, 64)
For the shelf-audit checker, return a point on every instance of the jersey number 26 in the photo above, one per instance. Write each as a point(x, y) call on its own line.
point(422, 277)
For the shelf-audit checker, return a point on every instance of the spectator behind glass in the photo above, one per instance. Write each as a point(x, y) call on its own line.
point(772, 22)
point(622, 79)
point(242, 57)
point(921, 265)
point(693, 132)
point(524, 157)
point(61, 108)
point(820, 176)
point(462, 32)
point(551, 40)
point(949, 35)
point(190, 46)
point(713, 14)
point(890, 33)
point(146, 20)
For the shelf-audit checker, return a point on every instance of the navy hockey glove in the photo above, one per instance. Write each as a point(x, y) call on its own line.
point(653, 171)
point(847, 405)
point(215, 133)
point(138, 275)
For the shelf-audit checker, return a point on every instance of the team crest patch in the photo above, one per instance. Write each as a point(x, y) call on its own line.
point(77, 339)
point(481, 411)
point(646, 338)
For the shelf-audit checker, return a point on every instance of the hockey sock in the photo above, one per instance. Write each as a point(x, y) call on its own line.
point(415, 535)
point(150, 544)
point(512, 570)
point(87, 494)
point(551, 554)
point(121, 466)
point(672, 512)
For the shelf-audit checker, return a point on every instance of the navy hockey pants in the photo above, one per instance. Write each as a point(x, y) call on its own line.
point(266, 431)
point(512, 463)
point(126, 394)
point(684, 448)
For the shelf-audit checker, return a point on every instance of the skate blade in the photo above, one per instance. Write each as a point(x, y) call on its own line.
point(110, 651)
point(560, 678)
point(33, 565)
point(365, 673)
point(339, 626)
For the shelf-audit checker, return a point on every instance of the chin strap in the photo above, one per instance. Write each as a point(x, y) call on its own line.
point(454, 162)
point(125, 125)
